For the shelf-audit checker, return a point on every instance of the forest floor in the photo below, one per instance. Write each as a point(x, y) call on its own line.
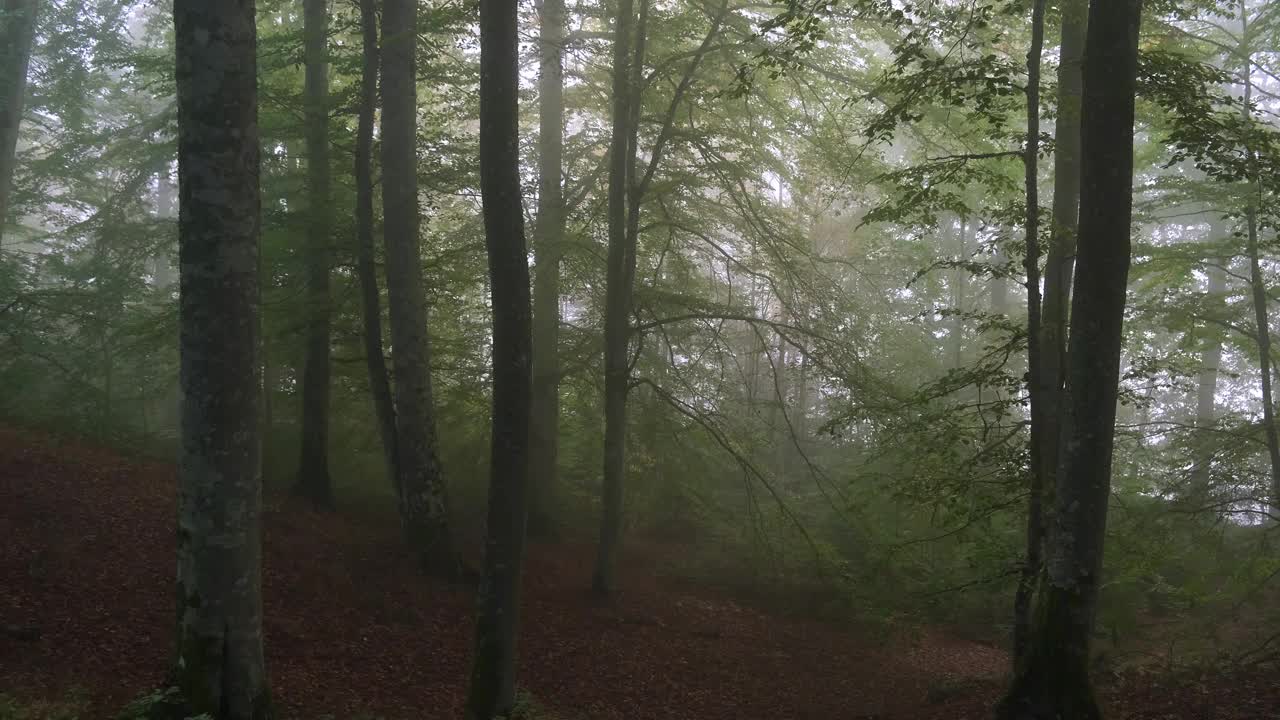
point(86, 610)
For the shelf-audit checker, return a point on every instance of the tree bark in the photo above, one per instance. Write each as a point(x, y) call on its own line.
point(424, 502)
point(1207, 380)
point(1035, 382)
point(1256, 282)
point(626, 193)
point(548, 249)
point(366, 266)
point(17, 33)
point(618, 290)
point(220, 667)
point(1054, 682)
point(313, 481)
point(493, 676)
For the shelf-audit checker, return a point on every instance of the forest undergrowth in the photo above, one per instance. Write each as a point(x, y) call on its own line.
point(352, 631)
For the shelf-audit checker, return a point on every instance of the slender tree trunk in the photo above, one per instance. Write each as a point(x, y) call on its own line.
point(1256, 281)
point(617, 314)
point(1062, 234)
point(1053, 682)
point(959, 279)
point(1035, 381)
point(547, 248)
point(313, 482)
point(17, 33)
point(423, 498)
point(493, 676)
point(999, 286)
point(220, 667)
point(366, 266)
point(1207, 381)
point(1262, 319)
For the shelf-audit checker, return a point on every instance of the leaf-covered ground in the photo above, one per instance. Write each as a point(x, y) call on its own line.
point(86, 608)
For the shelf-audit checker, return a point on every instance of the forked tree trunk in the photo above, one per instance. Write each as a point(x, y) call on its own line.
point(493, 676)
point(424, 502)
point(313, 481)
point(617, 315)
point(1053, 682)
point(366, 265)
point(17, 33)
point(220, 668)
point(548, 249)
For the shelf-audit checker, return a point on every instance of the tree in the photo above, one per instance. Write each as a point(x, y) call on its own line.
point(1054, 682)
point(1257, 284)
point(17, 32)
point(1035, 384)
point(220, 667)
point(493, 676)
point(366, 267)
point(1050, 322)
point(547, 248)
point(627, 189)
point(313, 481)
point(423, 497)
point(619, 281)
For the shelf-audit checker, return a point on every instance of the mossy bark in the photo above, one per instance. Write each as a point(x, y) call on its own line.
point(220, 668)
point(424, 505)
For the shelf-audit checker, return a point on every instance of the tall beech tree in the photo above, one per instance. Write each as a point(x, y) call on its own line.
point(220, 668)
point(548, 247)
point(1053, 681)
point(17, 32)
point(1050, 322)
point(1035, 385)
point(424, 502)
point(627, 189)
point(313, 480)
point(366, 263)
point(493, 676)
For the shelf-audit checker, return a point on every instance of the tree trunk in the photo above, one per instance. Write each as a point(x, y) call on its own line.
point(1035, 382)
point(1054, 682)
point(17, 33)
point(1062, 233)
point(366, 267)
point(1207, 381)
point(618, 290)
point(423, 498)
point(220, 667)
point(959, 281)
point(547, 248)
point(493, 676)
point(1256, 281)
point(313, 482)
point(999, 286)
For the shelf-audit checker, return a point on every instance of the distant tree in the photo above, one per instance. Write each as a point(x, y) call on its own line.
point(1053, 681)
point(424, 502)
point(548, 248)
point(493, 677)
point(313, 480)
point(17, 32)
point(220, 667)
point(366, 266)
